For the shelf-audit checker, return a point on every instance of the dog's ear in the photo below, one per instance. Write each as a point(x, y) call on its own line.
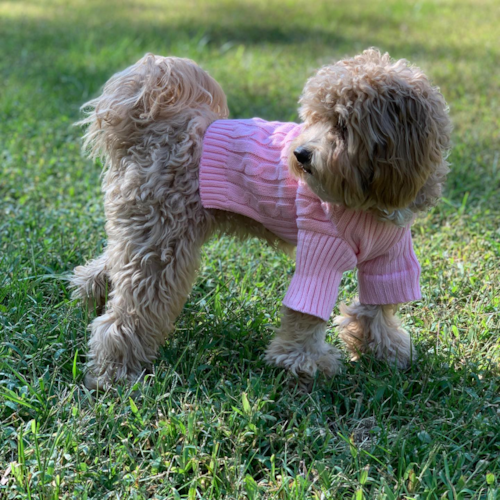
point(350, 179)
point(396, 140)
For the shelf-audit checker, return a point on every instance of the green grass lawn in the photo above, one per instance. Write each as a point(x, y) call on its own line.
point(214, 421)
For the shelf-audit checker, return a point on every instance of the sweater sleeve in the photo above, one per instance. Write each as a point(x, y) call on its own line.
point(392, 277)
point(321, 261)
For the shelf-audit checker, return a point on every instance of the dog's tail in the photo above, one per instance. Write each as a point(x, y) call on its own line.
point(137, 101)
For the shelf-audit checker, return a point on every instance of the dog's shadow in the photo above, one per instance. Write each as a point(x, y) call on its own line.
point(213, 365)
point(230, 352)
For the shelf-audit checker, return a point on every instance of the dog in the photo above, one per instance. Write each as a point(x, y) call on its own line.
point(343, 186)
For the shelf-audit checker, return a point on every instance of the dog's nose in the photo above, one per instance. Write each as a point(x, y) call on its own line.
point(303, 155)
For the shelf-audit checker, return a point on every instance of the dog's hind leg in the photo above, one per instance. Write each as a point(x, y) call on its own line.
point(149, 124)
point(151, 282)
point(156, 225)
point(90, 283)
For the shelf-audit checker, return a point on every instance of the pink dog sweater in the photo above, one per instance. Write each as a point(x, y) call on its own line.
point(244, 170)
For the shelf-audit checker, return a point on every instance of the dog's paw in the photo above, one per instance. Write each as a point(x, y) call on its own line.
point(376, 330)
point(99, 381)
point(395, 346)
point(95, 383)
point(304, 363)
point(108, 379)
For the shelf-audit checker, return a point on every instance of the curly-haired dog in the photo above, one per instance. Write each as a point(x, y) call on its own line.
point(344, 186)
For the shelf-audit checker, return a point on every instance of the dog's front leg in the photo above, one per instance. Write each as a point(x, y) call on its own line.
point(377, 329)
point(300, 346)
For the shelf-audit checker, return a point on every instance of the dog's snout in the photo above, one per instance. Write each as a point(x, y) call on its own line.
point(303, 155)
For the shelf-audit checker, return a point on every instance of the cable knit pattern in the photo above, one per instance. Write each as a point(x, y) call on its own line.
point(244, 170)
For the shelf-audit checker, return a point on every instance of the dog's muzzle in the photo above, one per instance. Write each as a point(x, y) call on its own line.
point(303, 156)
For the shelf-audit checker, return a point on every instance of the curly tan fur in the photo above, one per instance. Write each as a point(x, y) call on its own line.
point(90, 283)
point(148, 125)
point(300, 347)
point(376, 329)
point(373, 124)
point(379, 133)
point(156, 96)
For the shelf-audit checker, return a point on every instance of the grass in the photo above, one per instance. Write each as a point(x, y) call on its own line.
point(214, 421)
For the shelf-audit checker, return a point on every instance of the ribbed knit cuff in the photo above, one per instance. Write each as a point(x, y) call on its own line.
point(321, 261)
point(389, 289)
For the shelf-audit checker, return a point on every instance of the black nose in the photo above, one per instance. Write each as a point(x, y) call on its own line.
point(303, 155)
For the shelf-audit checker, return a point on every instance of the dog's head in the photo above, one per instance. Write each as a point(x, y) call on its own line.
point(375, 137)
